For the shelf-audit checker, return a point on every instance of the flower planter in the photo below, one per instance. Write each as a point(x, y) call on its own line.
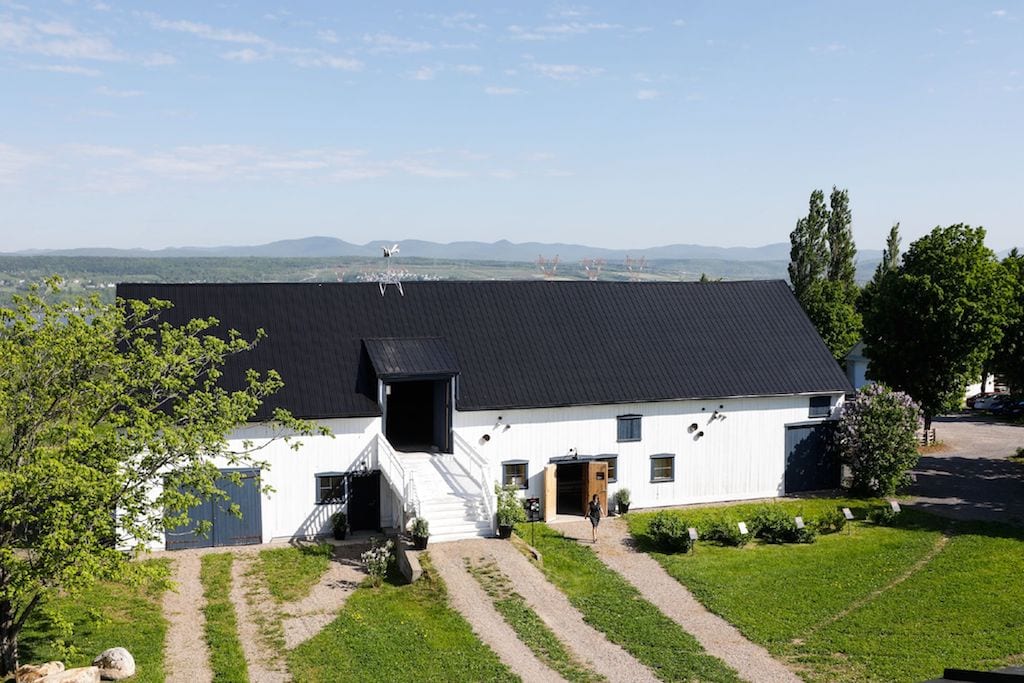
point(504, 530)
point(420, 542)
point(340, 534)
point(623, 508)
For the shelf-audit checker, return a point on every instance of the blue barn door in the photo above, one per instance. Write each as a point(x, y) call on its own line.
point(227, 528)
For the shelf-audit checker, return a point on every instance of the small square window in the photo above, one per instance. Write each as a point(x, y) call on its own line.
point(663, 468)
point(330, 488)
point(820, 406)
point(514, 473)
point(613, 467)
point(629, 428)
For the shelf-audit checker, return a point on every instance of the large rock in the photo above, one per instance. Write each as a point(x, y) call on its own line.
point(84, 674)
point(115, 664)
point(30, 673)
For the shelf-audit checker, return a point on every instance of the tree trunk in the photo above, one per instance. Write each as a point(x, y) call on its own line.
point(8, 640)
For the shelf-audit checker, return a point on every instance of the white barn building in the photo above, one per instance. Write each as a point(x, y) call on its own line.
point(682, 392)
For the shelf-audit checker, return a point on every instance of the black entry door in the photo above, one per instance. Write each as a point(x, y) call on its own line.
point(811, 462)
point(364, 502)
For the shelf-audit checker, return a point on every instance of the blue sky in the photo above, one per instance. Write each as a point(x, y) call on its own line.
point(618, 125)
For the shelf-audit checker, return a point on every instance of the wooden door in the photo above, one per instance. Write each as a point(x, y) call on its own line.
point(550, 492)
point(595, 480)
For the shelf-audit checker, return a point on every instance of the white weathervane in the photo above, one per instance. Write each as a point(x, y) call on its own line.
point(389, 276)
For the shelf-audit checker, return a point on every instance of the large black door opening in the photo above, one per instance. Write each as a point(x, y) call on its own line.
point(226, 528)
point(569, 483)
point(364, 502)
point(812, 464)
point(418, 415)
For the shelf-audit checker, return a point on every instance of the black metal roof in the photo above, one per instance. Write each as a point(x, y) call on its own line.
point(520, 344)
point(403, 358)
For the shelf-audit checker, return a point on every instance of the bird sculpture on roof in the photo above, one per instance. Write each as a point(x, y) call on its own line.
point(388, 253)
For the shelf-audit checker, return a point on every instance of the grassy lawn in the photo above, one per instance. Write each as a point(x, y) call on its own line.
point(291, 573)
point(534, 633)
point(226, 657)
point(107, 615)
point(832, 610)
point(398, 633)
point(612, 605)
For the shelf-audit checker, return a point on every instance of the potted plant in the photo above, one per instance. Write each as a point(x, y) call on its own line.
point(420, 533)
point(510, 509)
point(622, 500)
point(339, 525)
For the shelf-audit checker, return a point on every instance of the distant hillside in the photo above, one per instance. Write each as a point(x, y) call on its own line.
point(502, 250)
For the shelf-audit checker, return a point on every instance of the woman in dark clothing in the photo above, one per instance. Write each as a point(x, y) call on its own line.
point(594, 513)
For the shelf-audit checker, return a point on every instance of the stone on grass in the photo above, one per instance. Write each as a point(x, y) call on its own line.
point(83, 674)
point(31, 673)
point(115, 664)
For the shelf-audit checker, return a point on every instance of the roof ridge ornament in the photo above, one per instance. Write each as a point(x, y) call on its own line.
point(389, 276)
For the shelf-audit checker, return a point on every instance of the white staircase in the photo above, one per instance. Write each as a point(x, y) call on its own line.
point(450, 499)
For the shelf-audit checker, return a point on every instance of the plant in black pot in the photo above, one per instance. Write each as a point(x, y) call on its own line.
point(339, 525)
point(622, 500)
point(510, 509)
point(420, 533)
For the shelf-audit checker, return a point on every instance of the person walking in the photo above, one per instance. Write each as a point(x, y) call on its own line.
point(594, 513)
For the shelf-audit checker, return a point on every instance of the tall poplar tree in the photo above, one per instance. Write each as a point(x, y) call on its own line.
point(808, 252)
point(842, 253)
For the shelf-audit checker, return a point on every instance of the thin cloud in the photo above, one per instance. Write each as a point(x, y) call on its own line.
point(648, 94)
point(58, 39)
point(71, 69)
point(469, 69)
point(501, 90)
point(565, 72)
point(244, 56)
point(13, 162)
point(327, 36)
point(385, 43)
point(207, 32)
point(424, 73)
point(111, 92)
point(557, 31)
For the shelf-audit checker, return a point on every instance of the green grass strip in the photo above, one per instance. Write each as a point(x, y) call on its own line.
point(291, 573)
point(107, 614)
point(612, 605)
point(398, 632)
point(530, 628)
point(226, 657)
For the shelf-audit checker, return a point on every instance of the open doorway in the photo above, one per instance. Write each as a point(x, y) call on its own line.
point(576, 482)
point(418, 415)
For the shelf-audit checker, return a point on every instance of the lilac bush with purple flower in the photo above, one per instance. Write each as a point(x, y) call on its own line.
point(878, 438)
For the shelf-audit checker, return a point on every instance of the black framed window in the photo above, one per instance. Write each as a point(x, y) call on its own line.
point(330, 488)
point(515, 473)
point(613, 467)
point(820, 406)
point(629, 428)
point(663, 468)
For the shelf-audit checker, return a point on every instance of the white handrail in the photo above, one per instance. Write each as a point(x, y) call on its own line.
point(402, 482)
point(478, 471)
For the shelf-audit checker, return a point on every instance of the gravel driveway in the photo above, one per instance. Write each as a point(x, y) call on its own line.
point(974, 479)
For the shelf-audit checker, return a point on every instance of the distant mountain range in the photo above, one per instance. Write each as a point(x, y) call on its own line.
point(502, 250)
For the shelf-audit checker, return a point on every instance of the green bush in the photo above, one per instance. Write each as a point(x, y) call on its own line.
point(877, 438)
point(509, 506)
point(723, 530)
point(773, 524)
point(884, 516)
point(669, 532)
point(829, 522)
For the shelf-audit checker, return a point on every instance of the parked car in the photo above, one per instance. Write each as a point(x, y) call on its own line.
point(989, 401)
point(1010, 406)
point(972, 400)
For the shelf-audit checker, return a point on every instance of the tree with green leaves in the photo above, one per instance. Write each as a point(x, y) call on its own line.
point(108, 419)
point(931, 323)
point(1008, 358)
point(822, 269)
point(890, 255)
point(877, 438)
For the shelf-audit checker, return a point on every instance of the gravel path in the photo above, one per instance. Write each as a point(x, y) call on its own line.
point(251, 600)
point(551, 605)
point(717, 636)
point(186, 657)
point(305, 618)
point(470, 600)
point(973, 478)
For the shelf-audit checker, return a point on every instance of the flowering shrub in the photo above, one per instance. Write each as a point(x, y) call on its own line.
point(669, 531)
point(877, 438)
point(376, 561)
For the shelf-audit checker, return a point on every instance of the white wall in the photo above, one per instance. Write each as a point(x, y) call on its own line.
point(290, 510)
point(742, 456)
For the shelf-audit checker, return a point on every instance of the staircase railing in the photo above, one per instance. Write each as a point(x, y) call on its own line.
point(402, 481)
point(479, 471)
